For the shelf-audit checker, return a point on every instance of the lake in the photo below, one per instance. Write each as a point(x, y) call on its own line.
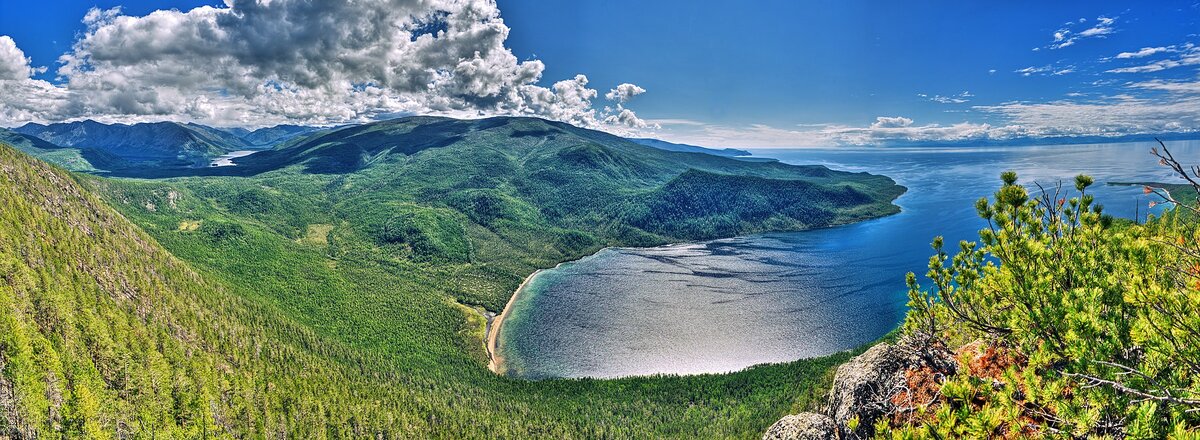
point(226, 160)
point(725, 305)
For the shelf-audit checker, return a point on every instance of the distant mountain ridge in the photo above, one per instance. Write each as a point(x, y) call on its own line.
point(671, 146)
point(157, 143)
point(267, 136)
point(100, 146)
point(348, 148)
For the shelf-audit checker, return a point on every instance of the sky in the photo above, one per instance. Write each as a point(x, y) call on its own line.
point(721, 74)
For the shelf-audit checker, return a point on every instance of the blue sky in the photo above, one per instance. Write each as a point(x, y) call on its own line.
point(766, 73)
point(780, 62)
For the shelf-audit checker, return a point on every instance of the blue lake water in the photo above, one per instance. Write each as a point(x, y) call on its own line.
point(728, 304)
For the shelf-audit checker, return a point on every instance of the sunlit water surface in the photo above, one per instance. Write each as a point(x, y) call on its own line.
point(725, 305)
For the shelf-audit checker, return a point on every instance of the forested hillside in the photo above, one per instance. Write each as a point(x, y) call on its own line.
point(486, 202)
point(104, 334)
point(331, 298)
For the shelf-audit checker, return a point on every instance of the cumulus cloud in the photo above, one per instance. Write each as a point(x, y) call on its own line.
point(891, 122)
point(621, 116)
point(23, 98)
point(14, 65)
point(262, 62)
point(624, 92)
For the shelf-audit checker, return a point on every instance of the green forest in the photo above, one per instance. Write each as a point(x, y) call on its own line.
point(333, 289)
point(330, 290)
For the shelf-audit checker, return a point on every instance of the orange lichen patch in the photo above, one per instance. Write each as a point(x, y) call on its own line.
point(922, 390)
point(988, 361)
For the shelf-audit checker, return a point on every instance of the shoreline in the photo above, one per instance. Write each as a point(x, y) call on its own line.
point(495, 361)
point(492, 330)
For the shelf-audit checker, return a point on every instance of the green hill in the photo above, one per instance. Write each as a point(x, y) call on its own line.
point(332, 288)
point(70, 158)
point(530, 193)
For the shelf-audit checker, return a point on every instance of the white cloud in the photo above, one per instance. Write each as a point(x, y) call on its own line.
point(263, 62)
point(1033, 69)
point(23, 98)
point(1049, 69)
point(891, 122)
point(1189, 56)
point(1066, 36)
point(1176, 87)
point(626, 118)
point(1111, 116)
point(1143, 52)
point(886, 130)
point(952, 99)
point(1103, 27)
point(14, 65)
point(1145, 108)
point(624, 92)
point(688, 122)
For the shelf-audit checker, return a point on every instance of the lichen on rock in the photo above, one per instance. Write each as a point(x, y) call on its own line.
point(803, 426)
point(877, 384)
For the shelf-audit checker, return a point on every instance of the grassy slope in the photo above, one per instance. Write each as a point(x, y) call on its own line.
point(354, 273)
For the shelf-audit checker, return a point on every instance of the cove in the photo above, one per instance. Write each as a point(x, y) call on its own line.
point(724, 305)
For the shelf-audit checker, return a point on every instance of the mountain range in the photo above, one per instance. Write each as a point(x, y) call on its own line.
point(127, 148)
point(159, 144)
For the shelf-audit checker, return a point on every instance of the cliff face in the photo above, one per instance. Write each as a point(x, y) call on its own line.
point(887, 382)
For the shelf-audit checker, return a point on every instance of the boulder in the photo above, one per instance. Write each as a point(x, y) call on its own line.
point(803, 426)
point(882, 381)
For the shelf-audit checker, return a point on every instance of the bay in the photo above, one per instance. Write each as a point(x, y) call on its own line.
point(728, 304)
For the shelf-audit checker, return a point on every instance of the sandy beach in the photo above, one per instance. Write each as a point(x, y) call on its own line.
point(495, 361)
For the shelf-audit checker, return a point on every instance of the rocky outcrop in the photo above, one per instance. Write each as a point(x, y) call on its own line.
point(887, 381)
point(803, 426)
